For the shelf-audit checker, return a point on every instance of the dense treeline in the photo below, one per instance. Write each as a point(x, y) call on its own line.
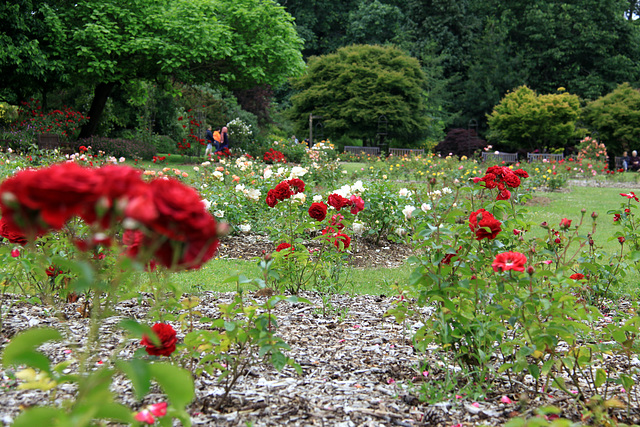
point(484, 48)
point(144, 64)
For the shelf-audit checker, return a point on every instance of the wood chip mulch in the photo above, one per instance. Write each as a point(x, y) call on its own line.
point(358, 370)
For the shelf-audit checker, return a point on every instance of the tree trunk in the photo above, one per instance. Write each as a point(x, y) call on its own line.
point(100, 97)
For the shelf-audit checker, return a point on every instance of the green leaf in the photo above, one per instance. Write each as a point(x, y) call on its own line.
point(139, 330)
point(601, 377)
point(138, 372)
point(42, 416)
point(176, 382)
point(114, 411)
point(21, 349)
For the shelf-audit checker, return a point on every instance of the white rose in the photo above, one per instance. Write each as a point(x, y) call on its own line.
point(317, 198)
point(426, 207)
point(404, 192)
point(245, 228)
point(218, 214)
point(254, 194)
point(358, 228)
point(408, 211)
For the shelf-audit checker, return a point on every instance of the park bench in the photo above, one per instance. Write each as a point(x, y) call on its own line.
point(375, 151)
point(51, 141)
point(541, 157)
point(499, 157)
point(405, 151)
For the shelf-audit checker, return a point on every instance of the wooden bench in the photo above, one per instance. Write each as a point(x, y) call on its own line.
point(375, 151)
point(499, 157)
point(541, 157)
point(51, 141)
point(405, 151)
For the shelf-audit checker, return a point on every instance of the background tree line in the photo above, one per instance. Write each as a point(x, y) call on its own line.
point(234, 57)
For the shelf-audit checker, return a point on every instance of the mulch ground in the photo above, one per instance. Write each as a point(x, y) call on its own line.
point(359, 368)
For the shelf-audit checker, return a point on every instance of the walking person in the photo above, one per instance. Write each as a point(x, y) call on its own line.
point(210, 141)
point(217, 138)
point(225, 138)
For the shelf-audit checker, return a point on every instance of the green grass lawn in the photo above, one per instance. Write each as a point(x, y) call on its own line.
point(550, 207)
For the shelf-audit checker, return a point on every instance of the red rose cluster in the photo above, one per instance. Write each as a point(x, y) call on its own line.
point(339, 202)
point(171, 224)
point(274, 156)
point(501, 177)
point(284, 191)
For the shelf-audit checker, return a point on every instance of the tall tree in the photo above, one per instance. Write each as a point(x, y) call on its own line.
point(235, 43)
point(616, 117)
point(30, 61)
point(353, 87)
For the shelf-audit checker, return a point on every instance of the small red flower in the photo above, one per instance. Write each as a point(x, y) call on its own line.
point(509, 261)
point(631, 195)
point(565, 223)
point(357, 204)
point(576, 276)
point(283, 246)
point(168, 340)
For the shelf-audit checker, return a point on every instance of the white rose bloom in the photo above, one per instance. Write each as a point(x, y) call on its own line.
point(446, 190)
point(218, 214)
point(254, 194)
point(197, 169)
point(426, 207)
point(281, 171)
point(239, 187)
point(408, 211)
point(357, 187)
point(317, 198)
point(300, 197)
point(245, 228)
point(205, 163)
point(206, 203)
point(404, 192)
point(297, 172)
point(219, 176)
point(268, 173)
point(121, 159)
point(358, 228)
point(401, 231)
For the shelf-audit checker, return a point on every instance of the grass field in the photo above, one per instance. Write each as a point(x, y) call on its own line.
point(550, 207)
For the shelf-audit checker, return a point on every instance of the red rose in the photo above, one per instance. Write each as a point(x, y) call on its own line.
point(521, 173)
point(337, 201)
point(168, 339)
point(172, 209)
point(296, 185)
point(357, 204)
point(486, 227)
point(121, 184)
point(576, 276)
point(565, 223)
point(509, 261)
point(48, 197)
point(282, 191)
point(285, 246)
point(342, 241)
point(631, 195)
point(503, 195)
point(11, 233)
point(271, 200)
point(318, 211)
point(512, 180)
